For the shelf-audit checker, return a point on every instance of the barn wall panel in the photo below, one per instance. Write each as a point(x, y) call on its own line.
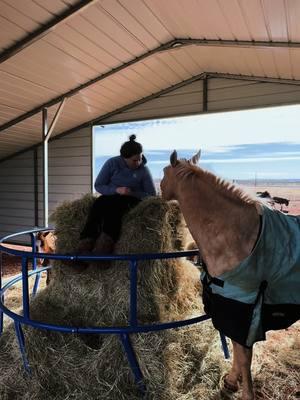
point(17, 194)
point(70, 169)
point(223, 94)
point(186, 100)
point(70, 176)
point(230, 94)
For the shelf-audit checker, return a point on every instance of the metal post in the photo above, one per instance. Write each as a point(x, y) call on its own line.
point(45, 166)
point(204, 95)
point(36, 187)
point(46, 136)
point(2, 297)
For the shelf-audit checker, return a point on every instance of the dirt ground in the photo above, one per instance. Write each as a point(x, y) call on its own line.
point(11, 265)
point(289, 192)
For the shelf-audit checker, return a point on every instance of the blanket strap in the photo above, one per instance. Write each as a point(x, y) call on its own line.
point(208, 279)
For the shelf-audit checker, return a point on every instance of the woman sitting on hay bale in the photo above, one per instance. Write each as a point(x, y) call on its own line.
point(122, 182)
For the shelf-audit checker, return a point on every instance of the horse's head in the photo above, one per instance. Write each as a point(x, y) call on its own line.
point(46, 242)
point(168, 183)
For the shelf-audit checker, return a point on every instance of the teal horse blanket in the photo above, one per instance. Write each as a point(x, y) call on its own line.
point(263, 292)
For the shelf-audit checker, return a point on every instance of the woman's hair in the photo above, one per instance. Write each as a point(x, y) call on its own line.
point(131, 148)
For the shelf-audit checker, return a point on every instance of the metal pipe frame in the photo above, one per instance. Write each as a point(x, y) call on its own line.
point(46, 136)
point(36, 186)
point(171, 45)
point(123, 332)
point(45, 167)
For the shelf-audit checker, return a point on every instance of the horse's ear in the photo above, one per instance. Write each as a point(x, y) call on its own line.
point(173, 158)
point(195, 158)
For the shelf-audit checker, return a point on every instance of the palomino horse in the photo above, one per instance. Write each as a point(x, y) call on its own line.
point(46, 244)
point(252, 256)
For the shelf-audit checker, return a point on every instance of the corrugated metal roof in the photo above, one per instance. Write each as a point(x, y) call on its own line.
point(107, 54)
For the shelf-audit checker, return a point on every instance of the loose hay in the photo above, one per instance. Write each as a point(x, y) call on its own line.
point(175, 363)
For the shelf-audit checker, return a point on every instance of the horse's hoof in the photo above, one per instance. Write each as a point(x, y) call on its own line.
point(228, 388)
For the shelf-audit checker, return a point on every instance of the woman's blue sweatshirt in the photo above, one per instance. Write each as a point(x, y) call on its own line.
point(115, 173)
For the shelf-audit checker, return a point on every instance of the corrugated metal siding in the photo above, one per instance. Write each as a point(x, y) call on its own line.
point(17, 194)
point(184, 101)
point(229, 94)
point(70, 169)
point(223, 95)
point(70, 176)
point(107, 35)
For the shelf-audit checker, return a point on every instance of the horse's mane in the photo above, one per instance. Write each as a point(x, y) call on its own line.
point(221, 185)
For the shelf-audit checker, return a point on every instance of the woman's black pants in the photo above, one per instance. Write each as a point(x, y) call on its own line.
point(106, 216)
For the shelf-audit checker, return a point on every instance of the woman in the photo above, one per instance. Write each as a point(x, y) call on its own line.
point(122, 182)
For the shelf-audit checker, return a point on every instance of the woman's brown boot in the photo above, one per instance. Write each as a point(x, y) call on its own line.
point(85, 246)
point(104, 244)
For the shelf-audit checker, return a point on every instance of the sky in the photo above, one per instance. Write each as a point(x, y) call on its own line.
point(253, 144)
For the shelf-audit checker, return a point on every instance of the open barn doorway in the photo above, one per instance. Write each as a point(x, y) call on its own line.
point(259, 149)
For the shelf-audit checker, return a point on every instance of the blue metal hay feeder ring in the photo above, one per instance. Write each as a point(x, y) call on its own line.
point(123, 332)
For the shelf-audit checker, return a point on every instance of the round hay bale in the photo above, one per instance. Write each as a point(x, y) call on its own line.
point(174, 363)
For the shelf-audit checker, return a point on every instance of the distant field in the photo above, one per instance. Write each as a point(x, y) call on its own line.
point(287, 190)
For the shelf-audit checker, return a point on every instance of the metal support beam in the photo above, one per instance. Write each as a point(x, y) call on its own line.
point(55, 118)
point(36, 191)
point(254, 78)
point(171, 45)
point(145, 99)
point(177, 43)
point(46, 136)
point(45, 167)
point(74, 91)
point(40, 32)
point(204, 94)
point(155, 95)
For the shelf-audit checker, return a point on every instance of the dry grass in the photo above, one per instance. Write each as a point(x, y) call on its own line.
point(13, 296)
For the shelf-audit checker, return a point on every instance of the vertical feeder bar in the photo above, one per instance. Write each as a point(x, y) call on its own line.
point(37, 276)
point(224, 346)
point(2, 296)
point(21, 341)
point(125, 339)
point(25, 288)
point(133, 293)
point(134, 365)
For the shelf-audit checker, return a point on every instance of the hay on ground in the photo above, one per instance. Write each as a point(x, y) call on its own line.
point(181, 364)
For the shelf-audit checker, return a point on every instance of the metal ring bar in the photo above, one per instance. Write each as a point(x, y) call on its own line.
point(123, 331)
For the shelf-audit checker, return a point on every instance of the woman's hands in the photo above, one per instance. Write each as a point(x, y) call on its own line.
point(123, 190)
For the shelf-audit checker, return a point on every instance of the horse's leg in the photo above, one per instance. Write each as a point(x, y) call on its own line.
point(48, 277)
point(244, 358)
point(231, 380)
